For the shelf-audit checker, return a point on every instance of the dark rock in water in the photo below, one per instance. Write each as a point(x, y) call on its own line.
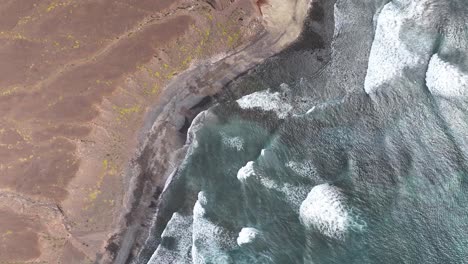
point(185, 127)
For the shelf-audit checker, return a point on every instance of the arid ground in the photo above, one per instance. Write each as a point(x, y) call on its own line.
point(76, 80)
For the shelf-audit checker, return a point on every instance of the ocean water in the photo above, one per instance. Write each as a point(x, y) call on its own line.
point(351, 151)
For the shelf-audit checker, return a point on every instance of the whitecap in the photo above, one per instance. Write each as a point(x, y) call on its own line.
point(390, 55)
point(208, 239)
point(198, 210)
point(184, 241)
point(324, 210)
point(266, 101)
point(247, 235)
point(246, 172)
point(445, 79)
point(202, 199)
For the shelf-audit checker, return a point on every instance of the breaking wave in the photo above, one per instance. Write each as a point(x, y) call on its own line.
point(352, 147)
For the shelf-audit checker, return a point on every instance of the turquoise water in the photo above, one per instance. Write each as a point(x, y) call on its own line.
point(403, 185)
point(353, 152)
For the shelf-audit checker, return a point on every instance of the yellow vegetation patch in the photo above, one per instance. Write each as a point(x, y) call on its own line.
point(111, 202)
point(232, 39)
point(52, 6)
point(24, 20)
point(6, 234)
point(8, 91)
point(76, 45)
point(209, 16)
point(108, 168)
point(26, 135)
point(129, 110)
point(187, 61)
point(56, 4)
point(59, 99)
point(126, 112)
point(26, 159)
point(155, 89)
point(108, 82)
point(11, 35)
point(171, 75)
point(93, 195)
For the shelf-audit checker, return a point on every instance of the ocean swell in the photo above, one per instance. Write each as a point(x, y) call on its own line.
point(354, 152)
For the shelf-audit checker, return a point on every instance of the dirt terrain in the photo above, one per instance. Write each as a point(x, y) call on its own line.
point(77, 78)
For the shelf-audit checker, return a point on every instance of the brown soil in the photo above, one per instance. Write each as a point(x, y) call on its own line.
point(76, 80)
point(19, 239)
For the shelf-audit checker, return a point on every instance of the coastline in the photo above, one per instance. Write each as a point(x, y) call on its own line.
point(78, 79)
point(163, 135)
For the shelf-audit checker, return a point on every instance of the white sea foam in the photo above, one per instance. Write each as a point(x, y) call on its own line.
point(304, 169)
point(248, 172)
point(245, 172)
point(324, 210)
point(198, 210)
point(247, 235)
point(390, 55)
point(293, 194)
point(445, 79)
point(285, 87)
point(197, 123)
point(311, 110)
point(233, 142)
point(209, 240)
point(267, 101)
point(268, 183)
point(202, 199)
point(163, 255)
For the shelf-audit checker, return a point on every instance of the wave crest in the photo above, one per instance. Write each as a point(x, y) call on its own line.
point(324, 209)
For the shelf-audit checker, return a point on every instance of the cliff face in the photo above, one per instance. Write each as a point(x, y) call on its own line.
point(162, 149)
point(77, 79)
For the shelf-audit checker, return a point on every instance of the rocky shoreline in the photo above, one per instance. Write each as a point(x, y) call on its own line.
point(162, 139)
